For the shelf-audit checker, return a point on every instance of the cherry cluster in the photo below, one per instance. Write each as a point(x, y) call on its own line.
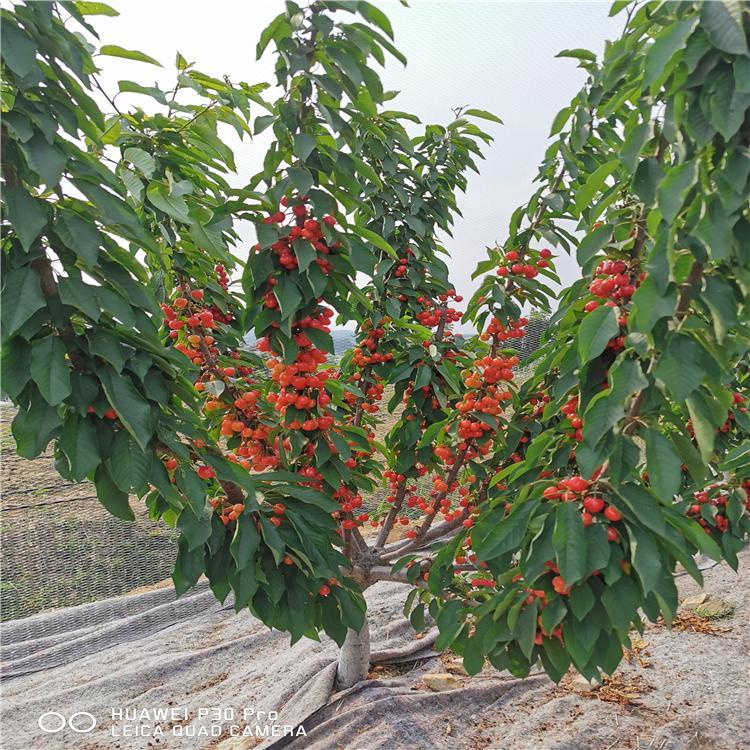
point(221, 275)
point(715, 496)
point(366, 351)
point(191, 325)
point(613, 280)
point(513, 265)
point(594, 508)
point(434, 312)
point(516, 329)
point(570, 410)
point(302, 383)
point(302, 227)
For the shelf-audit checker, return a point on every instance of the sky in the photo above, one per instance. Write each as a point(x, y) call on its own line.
point(497, 56)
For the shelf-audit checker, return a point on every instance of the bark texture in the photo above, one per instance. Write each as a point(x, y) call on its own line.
point(354, 661)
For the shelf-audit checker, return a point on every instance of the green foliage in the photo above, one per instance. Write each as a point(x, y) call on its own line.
point(650, 165)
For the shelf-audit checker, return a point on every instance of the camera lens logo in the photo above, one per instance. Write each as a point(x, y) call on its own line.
point(53, 722)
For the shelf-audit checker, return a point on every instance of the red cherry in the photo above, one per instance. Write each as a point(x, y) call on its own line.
point(612, 514)
point(206, 472)
point(576, 484)
point(593, 504)
point(197, 294)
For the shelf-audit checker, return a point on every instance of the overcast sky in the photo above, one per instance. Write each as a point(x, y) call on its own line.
point(498, 56)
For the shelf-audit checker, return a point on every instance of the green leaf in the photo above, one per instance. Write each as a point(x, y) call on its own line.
point(703, 425)
point(495, 534)
point(128, 464)
point(272, 539)
point(132, 408)
point(375, 239)
point(585, 194)
point(715, 231)
point(196, 531)
point(728, 106)
point(34, 428)
point(645, 556)
point(375, 16)
point(648, 175)
point(79, 443)
point(15, 369)
point(192, 488)
point(690, 457)
point(525, 629)
point(111, 496)
point(277, 29)
point(578, 54)
point(621, 601)
point(140, 159)
point(633, 144)
point(27, 215)
point(649, 306)
point(581, 600)
point(288, 295)
point(722, 20)
point(595, 332)
point(18, 49)
point(644, 506)
point(673, 189)
point(301, 179)
point(107, 346)
point(246, 540)
point(46, 160)
point(189, 566)
point(80, 236)
point(561, 118)
point(484, 114)
point(305, 253)
point(304, 145)
point(663, 463)
point(679, 366)
point(592, 243)
point(87, 8)
point(49, 369)
point(423, 377)
point(720, 300)
point(76, 293)
point(171, 205)
point(569, 543)
point(130, 87)
point(667, 42)
point(112, 50)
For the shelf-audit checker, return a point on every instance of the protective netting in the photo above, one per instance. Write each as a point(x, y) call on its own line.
point(67, 552)
point(61, 548)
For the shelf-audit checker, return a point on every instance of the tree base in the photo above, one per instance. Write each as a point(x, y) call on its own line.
point(354, 661)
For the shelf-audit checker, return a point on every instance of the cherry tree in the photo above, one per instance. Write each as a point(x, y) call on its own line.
point(542, 517)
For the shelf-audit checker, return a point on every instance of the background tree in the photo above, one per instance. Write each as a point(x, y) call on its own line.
point(559, 508)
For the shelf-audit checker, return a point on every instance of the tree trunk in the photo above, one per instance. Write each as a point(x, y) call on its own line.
point(354, 661)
